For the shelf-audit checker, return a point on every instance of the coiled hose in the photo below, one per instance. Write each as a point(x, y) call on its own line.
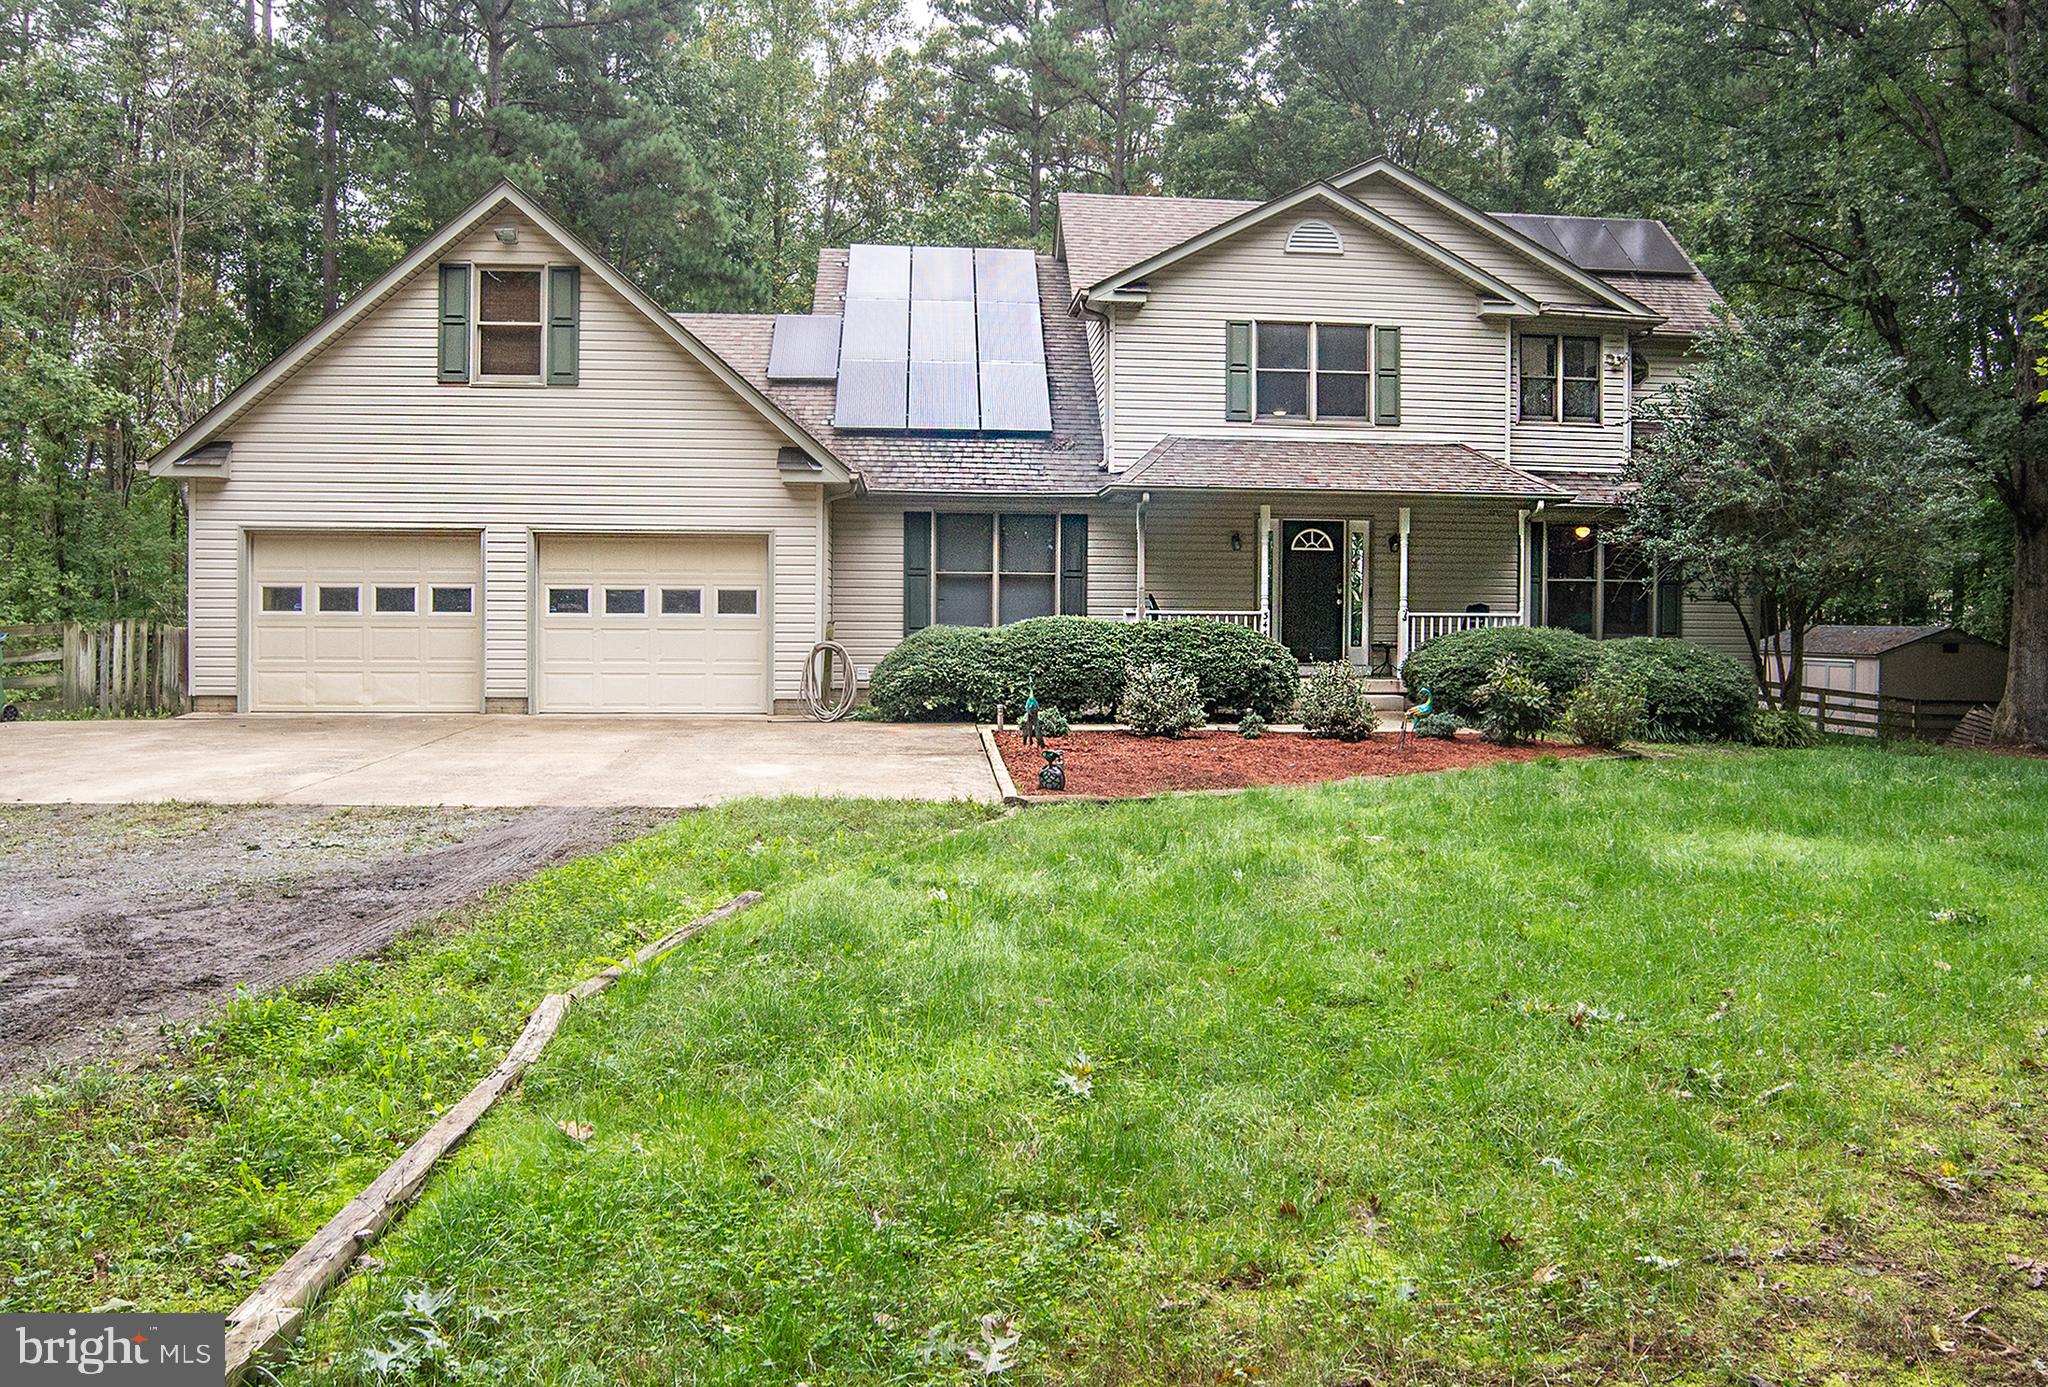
point(813, 692)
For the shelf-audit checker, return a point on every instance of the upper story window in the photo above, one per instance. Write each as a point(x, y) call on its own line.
point(1313, 371)
point(1560, 379)
point(1314, 237)
point(509, 324)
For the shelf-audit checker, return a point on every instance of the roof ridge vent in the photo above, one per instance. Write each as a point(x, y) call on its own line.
point(1314, 236)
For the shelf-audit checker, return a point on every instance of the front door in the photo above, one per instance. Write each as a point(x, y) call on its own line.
point(1312, 589)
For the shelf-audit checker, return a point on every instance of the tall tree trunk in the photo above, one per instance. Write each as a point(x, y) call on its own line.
point(2023, 712)
point(330, 170)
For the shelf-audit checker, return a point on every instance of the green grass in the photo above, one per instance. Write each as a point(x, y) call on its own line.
point(1651, 1071)
point(250, 1130)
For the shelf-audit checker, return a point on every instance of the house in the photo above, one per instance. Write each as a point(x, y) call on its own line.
point(1356, 416)
point(1926, 664)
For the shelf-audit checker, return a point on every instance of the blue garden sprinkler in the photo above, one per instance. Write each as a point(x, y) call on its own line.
point(1411, 713)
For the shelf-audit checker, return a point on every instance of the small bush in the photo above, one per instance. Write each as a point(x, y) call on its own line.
point(1334, 703)
point(1606, 710)
point(1237, 669)
point(1160, 701)
point(1454, 667)
point(1782, 729)
point(1052, 722)
point(939, 674)
point(1445, 725)
point(1073, 662)
point(1251, 727)
point(1513, 705)
point(1691, 693)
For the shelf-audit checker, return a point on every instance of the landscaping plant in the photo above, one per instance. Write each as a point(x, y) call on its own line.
point(1443, 725)
point(1074, 662)
point(1782, 729)
point(940, 674)
point(1160, 701)
point(1606, 710)
point(1335, 702)
point(1456, 666)
point(1251, 727)
point(1236, 668)
point(1052, 722)
point(1690, 693)
point(1513, 706)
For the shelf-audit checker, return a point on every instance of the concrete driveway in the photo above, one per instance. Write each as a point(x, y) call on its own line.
point(480, 760)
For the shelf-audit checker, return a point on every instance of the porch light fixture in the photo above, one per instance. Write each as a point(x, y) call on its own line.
point(1394, 543)
point(1236, 541)
point(508, 234)
point(1582, 532)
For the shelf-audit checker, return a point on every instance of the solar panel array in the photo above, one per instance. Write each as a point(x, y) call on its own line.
point(805, 346)
point(942, 339)
point(1605, 245)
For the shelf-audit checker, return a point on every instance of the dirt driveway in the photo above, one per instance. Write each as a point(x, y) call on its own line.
point(114, 920)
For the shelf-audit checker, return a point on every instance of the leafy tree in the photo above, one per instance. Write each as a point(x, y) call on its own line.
point(1788, 470)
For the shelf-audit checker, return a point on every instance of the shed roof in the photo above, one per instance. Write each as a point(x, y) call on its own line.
point(1844, 641)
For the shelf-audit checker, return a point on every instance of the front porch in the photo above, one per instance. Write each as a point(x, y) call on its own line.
point(1333, 576)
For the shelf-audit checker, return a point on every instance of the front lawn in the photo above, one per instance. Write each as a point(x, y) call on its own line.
point(1723, 1068)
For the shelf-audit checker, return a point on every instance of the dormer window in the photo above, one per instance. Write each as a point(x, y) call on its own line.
point(1314, 237)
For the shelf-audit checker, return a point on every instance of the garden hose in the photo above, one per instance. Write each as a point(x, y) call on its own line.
point(815, 691)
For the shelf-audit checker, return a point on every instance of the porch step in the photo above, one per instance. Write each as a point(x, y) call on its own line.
point(1388, 702)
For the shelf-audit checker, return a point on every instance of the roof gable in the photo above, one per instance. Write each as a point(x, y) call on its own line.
point(1482, 282)
point(307, 349)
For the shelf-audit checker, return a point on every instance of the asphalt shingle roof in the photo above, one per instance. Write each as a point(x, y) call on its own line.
point(1068, 462)
point(1103, 233)
point(1866, 640)
point(1303, 464)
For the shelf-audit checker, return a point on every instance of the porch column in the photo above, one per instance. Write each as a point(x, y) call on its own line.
point(1401, 623)
point(1522, 567)
point(1138, 598)
point(1265, 592)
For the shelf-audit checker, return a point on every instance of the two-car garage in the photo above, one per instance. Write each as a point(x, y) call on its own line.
point(360, 621)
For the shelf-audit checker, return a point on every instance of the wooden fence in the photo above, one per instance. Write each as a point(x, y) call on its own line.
point(115, 667)
point(1847, 712)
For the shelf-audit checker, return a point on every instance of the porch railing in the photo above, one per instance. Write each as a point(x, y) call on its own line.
point(1254, 618)
point(1423, 626)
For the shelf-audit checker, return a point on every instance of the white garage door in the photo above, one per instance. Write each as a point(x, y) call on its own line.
point(653, 625)
point(391, 622)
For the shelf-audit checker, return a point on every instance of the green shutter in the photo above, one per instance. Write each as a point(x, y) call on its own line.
point(1670, 604)
point(1074, 565)
point(565, 313)
point(917, 570)
point(1387, 375)
point(1237, 370)
point(454, 324)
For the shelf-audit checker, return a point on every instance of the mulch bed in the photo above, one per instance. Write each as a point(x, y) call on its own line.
point(1122, 763)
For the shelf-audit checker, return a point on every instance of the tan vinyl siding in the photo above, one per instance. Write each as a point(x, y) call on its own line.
point(1716, 625)
point(362, 437)
point(1668, 360)
point(1467, 243)
point(1100, 330)
point(1539, 445)
point(1169, 351)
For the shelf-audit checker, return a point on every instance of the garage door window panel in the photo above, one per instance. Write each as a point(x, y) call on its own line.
point(509, 325)
point(739, 602)
point(682, 601)
point(341, 600)
point(454, 601)
point(396, 601)
point(284, 598)
point(625, 601)
point(569, 601)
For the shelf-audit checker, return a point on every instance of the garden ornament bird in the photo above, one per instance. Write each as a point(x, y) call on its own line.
point(1414, 711)
point(1029, 724)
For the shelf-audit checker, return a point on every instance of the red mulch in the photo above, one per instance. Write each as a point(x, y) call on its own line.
point(1122, 763)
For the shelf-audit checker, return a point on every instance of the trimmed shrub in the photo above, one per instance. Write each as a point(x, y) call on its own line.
point(1691, 693)
point(1444, 725)
point(1251, 727)
point(1052, 722)
point(1071, 661)
point(1237, 669)
point(1454, 667)
point(1606, 710)
point(1513, 705)
point(1334, 703)
point(1782, 729)
point(1160, 701)
point(939, 674)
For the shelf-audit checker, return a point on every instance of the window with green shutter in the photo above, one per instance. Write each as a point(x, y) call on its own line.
point(565, 311)
point(1237, 371)
point(1387, 376)
point(917, 570)
point(454, 363)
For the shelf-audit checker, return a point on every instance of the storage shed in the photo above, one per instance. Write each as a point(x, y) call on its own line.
point(1937, 666)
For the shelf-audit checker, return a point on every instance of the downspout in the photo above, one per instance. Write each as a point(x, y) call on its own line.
point(1138, 597)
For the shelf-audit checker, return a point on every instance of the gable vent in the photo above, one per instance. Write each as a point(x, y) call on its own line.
point(1314, 238)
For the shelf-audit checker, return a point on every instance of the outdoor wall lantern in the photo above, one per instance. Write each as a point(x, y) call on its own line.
point(1236, 541)
point(1394, 543)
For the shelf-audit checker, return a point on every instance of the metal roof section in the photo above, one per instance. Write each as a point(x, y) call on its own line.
point(941, 339)
point(805, 347)
point(1604, 245)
